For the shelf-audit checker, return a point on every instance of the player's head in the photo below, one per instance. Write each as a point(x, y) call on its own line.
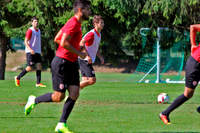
point(98, 22)
point(34, 22)
point(83, 8)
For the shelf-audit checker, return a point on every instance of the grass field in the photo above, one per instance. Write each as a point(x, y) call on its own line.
point(112, 105)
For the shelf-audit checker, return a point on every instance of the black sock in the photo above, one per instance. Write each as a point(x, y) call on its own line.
point(44, 98)
point(38, 75)
point(176, 103)
point(21, 74)
point(68, 106)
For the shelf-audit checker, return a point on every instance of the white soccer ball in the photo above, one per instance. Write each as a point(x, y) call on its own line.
point(167, 80)
point(163, 98)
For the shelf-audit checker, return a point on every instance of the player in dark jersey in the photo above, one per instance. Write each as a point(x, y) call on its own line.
point(65, 68)
point(192, 74)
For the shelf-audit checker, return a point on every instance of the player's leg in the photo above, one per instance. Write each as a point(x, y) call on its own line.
point(188, 93)
point(87, 81)
point(56, 96)
point(38, 61)
point(69, 103)
point(192, 79)
point(67, 108)
point(38, 72)
point(30, 63)
point(87, 72)
point(72, 80)
point(58, 86)
point(33, 100)
point(38, 75)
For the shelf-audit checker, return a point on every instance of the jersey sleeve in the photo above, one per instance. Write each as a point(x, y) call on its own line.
point(193, 30)
point(28, 34)
point(89, 38)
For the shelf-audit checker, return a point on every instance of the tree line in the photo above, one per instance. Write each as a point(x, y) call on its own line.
point(123, 20)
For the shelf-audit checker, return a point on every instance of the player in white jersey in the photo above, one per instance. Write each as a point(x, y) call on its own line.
point(33, 53)
point(90, 43)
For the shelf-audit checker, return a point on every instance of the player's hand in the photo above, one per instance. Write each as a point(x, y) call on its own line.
point(32, 51)
point(89, 59)
point(193, 48)
point(82, 55)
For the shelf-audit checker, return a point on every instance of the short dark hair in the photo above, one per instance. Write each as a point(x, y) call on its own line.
point(97, 18)
point(80, 4)
point(34, 18)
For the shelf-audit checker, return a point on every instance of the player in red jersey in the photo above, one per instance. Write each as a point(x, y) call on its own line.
point(192, 74)
point(65, 68)
point(90, 43)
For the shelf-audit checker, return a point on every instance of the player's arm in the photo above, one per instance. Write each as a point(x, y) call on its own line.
point(26, 41)
point(65, 44)
point(56, 40)
point(82, 45)
point(83, 49)
point(100, 57)
point(193, 30)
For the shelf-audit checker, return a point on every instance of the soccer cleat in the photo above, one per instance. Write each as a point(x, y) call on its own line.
point(17, 81)
point(165, 119)
point(29, 105)
point(62, 128)
point(40, 85)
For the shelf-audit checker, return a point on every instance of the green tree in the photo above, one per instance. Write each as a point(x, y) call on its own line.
point(4, 39)
point(123, 20)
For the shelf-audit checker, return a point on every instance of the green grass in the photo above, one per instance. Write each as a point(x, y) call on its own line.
point(112, 105)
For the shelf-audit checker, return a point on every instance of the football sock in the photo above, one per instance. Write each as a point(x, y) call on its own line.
point(44, 98)
point(38, 75)
point(176, 103)
point(68, 106)
point(21, 74)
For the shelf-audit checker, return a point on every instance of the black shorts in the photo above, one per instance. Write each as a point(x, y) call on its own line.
point(86, 69)
point(192, 73)
point(64, 74)
point(32, 59)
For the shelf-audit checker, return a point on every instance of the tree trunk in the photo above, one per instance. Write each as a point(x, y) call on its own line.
point(3, 48)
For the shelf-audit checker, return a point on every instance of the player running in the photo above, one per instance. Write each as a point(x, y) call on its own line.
point(192, 74)
point(33, 53)
point(65, 68)
point(90, 43)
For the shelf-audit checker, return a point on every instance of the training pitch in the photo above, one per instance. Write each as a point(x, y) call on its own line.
point(112, 105)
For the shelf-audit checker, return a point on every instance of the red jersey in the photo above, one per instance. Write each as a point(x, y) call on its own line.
point(89, 37)
point(195, 53)
point(73, 29)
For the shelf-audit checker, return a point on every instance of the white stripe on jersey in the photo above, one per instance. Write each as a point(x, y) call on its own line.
point(92, 49)
point(35, 41)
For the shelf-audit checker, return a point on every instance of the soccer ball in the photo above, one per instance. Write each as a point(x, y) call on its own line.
point(163, 98)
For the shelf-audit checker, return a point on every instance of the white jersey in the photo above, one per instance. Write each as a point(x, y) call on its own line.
point(35, 41)
point(93, 47)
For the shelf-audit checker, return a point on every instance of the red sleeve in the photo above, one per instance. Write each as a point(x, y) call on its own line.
point(28, 34)
point(89, 38)
point(193, 30)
